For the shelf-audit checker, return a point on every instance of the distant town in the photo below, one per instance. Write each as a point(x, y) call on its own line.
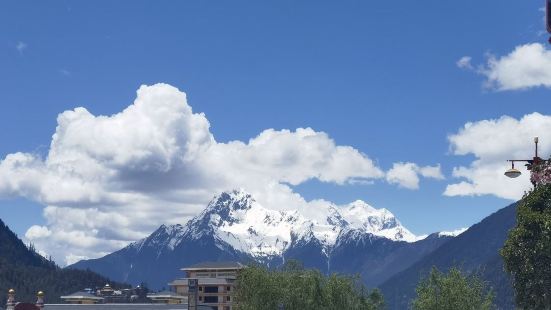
point(205, 286)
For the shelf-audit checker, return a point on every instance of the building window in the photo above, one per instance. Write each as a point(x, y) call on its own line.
point(200, 298)
point(228, 298)
point(200, 288)
point(228, 288)
point(226, 307)
point(211, 299)
point(211, 289)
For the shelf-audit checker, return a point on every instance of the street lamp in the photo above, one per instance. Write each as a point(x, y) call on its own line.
point(531, 163)
point(513, 173)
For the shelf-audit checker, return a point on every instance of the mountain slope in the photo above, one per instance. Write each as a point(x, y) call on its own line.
point(13, 251)
point(476, 250)
point(27, 272)
point(143, 261)
point(236, 227)
point(376, 259)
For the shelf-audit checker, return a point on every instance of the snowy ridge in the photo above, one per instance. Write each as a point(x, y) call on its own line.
point(379, 222)
point(164, 238)
point(236, 220)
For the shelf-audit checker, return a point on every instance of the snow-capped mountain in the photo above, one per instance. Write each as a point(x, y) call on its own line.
point(379, 222)
point(234, 226)
point(237, 220)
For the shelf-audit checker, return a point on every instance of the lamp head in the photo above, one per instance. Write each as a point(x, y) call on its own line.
point(513, 173)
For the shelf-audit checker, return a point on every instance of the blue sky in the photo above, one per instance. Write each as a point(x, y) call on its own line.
point(380, 76)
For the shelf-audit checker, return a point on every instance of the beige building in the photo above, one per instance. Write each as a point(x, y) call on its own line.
point(81, 298)
point(215, 284)
point(167, 297)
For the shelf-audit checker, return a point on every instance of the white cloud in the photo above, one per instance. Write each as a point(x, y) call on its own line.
point(110, 180)
point(433, 172)
point(65, 72)
point(453, 233)
point(37, 232)
point(527, 66)
point(465, 63)
point(71, 258)
point(406, 175)
point(21, 46)
point(492, 142)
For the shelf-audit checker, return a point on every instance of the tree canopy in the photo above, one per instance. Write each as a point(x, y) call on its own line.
point(452, 291)
point(527, 251)
point(294, 288)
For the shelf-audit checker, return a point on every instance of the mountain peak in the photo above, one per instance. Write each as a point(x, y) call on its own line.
point(362, 205)
point(379, 222)
point(233, 200)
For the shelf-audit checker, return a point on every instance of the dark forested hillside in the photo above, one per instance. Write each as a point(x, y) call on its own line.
point(24, 270)
point(476, 250)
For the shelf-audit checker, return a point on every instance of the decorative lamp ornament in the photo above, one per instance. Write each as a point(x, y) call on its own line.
point(40, 299)
point(11, 299)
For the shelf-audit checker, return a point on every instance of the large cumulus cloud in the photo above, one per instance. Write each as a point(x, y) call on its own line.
point(109, 180)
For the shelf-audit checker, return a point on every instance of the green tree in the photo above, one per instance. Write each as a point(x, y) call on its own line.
point(294, 288)
point(527, 251)
point(452, 291)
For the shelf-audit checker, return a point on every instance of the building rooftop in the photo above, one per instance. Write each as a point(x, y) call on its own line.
point(81, 295)
point(116, 307)
point(122, 307)
point(215, 265)
point(202, 281)
point(165, 294)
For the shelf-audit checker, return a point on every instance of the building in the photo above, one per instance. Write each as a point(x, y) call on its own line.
point(167, 297)
point(117, 307)
point(82, 297)
point(106, 295)
point(215, 283)
point(107, 290)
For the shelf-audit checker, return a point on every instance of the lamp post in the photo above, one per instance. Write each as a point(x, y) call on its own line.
point(530, 163)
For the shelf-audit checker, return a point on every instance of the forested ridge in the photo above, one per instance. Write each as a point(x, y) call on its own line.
point(26, 271)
